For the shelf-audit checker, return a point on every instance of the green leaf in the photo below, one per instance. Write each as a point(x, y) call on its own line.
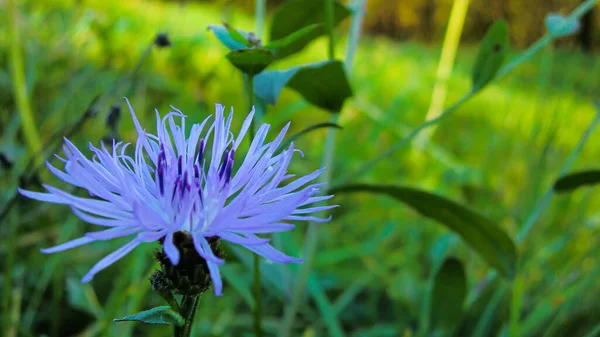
point(226, 38)
point(296, 41)
point(268, 84)
point(297, 14)
point(559, 25)
point(491, 55)
point(251, 61)
point(448, 298)
point(82, 296)
point(236, 35)
point(292, 138)
point(159, 315)
point(323, 84)
point(576, 180)
point(479, 232)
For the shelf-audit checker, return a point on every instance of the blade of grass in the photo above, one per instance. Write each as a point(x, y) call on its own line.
point(451, 41)
point(30, 133)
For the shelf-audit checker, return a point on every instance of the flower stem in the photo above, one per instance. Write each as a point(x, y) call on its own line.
point(258, 306)
point(329, 20)
point(189, 303)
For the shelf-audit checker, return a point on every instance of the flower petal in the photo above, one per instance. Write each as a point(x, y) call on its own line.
point(110, 259)
point(67, 245)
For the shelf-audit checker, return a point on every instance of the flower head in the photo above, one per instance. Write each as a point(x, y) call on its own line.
point(177, 183)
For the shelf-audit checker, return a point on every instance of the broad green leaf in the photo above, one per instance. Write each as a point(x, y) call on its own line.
point(268, 84)
point(292, 138)
point(491, 55)
point(82, 296)
point(296, 41)
point(297, 14)
point(448, 298)
point(251, 61)
point(479, 232)
point(559, 25)
point(323, 84)
point(158, 315)
point(575, 180)
point(225, 37)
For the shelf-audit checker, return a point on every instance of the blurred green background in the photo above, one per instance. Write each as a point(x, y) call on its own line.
point(498, 153)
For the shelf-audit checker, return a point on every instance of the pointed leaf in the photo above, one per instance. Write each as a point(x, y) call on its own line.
point(491, 55)
point(297, 14)
point(237, 35)
point(251, 61)
point(292, 138)
point(158, 315)
point(268, 84)
point(296, 41)
point(448, 298)
point(479, 232)
point(559, 25)
point(323, 84)
point(575, 180)
point(225, 37)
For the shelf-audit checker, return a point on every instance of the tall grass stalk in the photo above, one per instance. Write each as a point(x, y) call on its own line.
point(30, 133)
point(451, 42)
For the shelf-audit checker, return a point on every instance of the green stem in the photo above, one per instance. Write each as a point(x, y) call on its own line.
point(259, 18)
point(189, 304)
point(404, 141)
point(329, 21)
point(30, 133)
point(257, 302)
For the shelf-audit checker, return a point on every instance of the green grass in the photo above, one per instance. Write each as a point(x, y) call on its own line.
point(498, 153)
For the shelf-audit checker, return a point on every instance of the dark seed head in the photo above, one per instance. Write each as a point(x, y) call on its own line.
point(162, 40)
point(191, 275)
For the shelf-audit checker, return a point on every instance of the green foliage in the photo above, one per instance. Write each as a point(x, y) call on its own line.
point(324, 84)
point(295, 15)
point(296, 41)
point(224, 34)
point(159, 315)
point(448, 298)
point(311, 128)
point(490, 57)
point(251, 61)
point(575, 180)
point(482, 234)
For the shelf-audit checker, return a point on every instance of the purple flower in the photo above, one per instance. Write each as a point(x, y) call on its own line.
point(177, 183)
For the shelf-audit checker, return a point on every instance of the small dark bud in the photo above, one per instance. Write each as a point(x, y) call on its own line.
point(159, 282)
point(114, 115)
point(253, 39)
point(5, 163)
point(191, 275)
point(162, 40)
